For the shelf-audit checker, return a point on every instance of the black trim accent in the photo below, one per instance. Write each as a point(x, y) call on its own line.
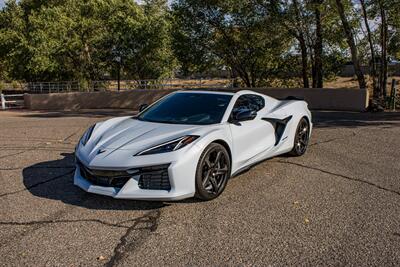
point(291, 97)
point(279, 126)
point(151, 177)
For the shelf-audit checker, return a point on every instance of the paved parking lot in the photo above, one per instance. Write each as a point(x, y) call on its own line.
point(337, 205)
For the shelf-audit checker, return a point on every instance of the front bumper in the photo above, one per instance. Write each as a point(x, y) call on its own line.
point(130, 190)
point(181, 174)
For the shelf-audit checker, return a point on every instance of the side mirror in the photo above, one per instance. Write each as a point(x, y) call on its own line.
point(245, 115)
point(143, 107)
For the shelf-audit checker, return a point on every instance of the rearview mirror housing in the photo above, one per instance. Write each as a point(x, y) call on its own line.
point(245, 115)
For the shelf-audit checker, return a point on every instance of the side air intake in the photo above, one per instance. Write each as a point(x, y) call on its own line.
point(279, 126)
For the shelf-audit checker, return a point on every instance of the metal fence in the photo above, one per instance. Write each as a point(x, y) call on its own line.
point(160, 84)
point(112, 85)
point(12, 101)
point(53, 87)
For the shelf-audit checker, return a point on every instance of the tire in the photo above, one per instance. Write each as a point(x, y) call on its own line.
point(301, 138)
point(213, 171)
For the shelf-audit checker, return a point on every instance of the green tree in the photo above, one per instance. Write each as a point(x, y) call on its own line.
point(353, 48)
point(243, 35)
point(14, 46)
point(81, 40)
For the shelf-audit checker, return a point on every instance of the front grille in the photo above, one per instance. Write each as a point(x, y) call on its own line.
point(153, 177)
point(104, 177)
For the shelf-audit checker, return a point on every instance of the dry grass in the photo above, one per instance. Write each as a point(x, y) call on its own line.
point(351, 82)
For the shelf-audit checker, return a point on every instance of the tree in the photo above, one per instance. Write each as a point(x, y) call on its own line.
point(139, 37)
point(243, 35)
point(14, 47)
point(80, 40)
point(353, 49)
point(384, 45)
point(295, 24)
point(372, 49)
point(318, 48)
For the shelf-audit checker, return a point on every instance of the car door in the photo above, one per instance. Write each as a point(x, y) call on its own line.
point(252, 137)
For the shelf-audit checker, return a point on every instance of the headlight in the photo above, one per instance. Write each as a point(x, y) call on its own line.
point(169, 146)
point(86, 136)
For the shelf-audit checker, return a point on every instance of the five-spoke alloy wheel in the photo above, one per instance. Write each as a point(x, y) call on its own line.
point(301, 138)
point(213, 172)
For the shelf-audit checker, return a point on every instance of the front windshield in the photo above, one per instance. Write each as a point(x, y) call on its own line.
point(188, 108)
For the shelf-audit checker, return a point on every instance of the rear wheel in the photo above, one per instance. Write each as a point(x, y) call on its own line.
point(213, 172)
point(301, 138)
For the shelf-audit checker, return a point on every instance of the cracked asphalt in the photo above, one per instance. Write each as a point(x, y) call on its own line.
point(337, 205)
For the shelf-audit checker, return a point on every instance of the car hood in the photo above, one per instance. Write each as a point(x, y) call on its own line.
point(131, 134)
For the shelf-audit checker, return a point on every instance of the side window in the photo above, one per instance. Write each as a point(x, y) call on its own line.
point(252, 102)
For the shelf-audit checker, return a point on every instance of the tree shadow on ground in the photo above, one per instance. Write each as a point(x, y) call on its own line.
point(92, 113)
point(54, 180)
point(342, 119)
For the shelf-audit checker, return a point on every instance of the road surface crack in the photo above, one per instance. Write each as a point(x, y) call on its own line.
point(15, 154)
point(134, 236)
point(37, 167)
point(62, 221)
point(69, 136)
point(342, 176)
point(332, 140)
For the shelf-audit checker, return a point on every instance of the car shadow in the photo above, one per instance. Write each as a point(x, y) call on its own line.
point(54, 180)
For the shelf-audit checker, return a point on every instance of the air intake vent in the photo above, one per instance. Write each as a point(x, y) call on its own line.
point(154, 178)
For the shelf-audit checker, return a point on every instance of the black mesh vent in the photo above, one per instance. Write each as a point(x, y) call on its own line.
point(154, 178)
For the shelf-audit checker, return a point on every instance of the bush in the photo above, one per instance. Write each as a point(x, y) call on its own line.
point(15, 85)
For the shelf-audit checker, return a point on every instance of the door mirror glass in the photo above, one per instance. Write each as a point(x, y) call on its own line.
point(245, 115)
point(143, 107)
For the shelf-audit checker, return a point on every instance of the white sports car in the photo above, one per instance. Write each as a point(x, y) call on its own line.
point(188, 143)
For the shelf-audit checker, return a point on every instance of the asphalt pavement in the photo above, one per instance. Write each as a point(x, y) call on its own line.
point(337, 205)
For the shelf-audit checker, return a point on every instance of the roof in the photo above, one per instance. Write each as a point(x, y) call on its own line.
point(206, 92)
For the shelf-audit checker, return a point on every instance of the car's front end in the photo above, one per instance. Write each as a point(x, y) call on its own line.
point(137, 170)
point(145, 177)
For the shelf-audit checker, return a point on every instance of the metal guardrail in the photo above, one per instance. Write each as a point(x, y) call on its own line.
point(53, 87)
point(124, 85)
point(12, 101)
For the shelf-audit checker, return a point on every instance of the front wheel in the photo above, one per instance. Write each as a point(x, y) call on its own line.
point(213, 172)
point(301, 138)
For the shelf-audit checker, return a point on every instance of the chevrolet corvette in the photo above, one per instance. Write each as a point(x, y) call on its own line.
point(188, 144)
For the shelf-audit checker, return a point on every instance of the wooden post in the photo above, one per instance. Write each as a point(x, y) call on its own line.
point(393, 94)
